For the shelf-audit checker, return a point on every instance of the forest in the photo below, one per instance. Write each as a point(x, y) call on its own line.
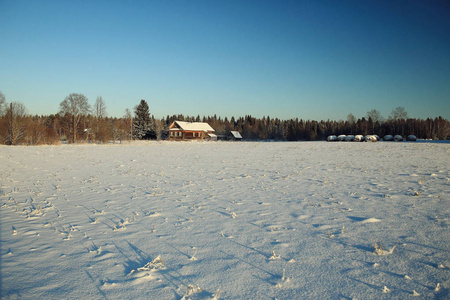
point(79, 122)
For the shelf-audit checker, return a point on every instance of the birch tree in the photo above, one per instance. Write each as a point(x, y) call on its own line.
point(351, 119)
point(16, 123)
point(374, 117)
point(398, 113)
point(76, 105)
point(100, 113)
point(2, 104)
point(100, 108)
point(129, 121)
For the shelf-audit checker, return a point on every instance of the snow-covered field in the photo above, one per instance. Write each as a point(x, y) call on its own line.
point(198, 220)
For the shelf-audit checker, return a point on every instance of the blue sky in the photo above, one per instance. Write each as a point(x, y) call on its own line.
point(287, 59)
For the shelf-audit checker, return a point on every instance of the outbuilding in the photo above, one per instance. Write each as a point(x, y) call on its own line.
point(234, 136)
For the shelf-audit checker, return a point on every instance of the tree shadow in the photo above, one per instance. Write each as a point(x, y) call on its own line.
point(132, 265)
point(271, 275)
point(364, 248)
point(372, 286)
point(98, 288)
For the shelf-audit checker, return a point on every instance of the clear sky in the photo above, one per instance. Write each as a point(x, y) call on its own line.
point(287, 59)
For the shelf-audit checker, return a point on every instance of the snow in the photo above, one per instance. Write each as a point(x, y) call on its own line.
point(204, 220)
point(236, 134)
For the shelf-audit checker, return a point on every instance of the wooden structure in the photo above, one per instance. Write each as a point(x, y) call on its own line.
point(234, 136)
point(180, 130)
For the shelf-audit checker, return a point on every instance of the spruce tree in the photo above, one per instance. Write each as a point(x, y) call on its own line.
point(143, 125)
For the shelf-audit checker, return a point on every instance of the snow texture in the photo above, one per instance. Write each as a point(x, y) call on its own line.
point(203, 220)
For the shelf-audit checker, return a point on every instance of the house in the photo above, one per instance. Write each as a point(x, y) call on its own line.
point(234, 136)
point(180, 130)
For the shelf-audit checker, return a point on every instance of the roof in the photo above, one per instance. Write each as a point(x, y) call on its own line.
point(236, 134)
point(191, 126)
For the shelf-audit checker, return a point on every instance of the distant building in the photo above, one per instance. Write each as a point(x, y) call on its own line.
point(180, 130)
point(234, 136)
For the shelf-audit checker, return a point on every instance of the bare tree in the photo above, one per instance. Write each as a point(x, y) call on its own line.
point(16, 123)
point(100, 113)
point(398, 113)
point(129, 118)
point(118, 129)
point(2, 104)
point(159, 129)
point(351, 118)
point(100, 108)
point(375, 119)
point(76, 105)
point(375, 116)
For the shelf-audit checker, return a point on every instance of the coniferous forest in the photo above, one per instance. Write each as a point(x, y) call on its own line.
point(79, 122)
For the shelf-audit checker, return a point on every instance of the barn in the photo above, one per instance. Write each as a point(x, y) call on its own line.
point(234, 136)
point(180, 130)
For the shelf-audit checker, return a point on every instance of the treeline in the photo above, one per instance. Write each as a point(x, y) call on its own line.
point(77, 121)
point(53, 129)
point(267, 128)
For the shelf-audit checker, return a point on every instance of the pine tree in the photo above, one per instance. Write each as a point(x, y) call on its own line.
point(143, 124)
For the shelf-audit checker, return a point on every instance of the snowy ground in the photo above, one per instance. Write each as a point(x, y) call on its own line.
point(198, 220)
